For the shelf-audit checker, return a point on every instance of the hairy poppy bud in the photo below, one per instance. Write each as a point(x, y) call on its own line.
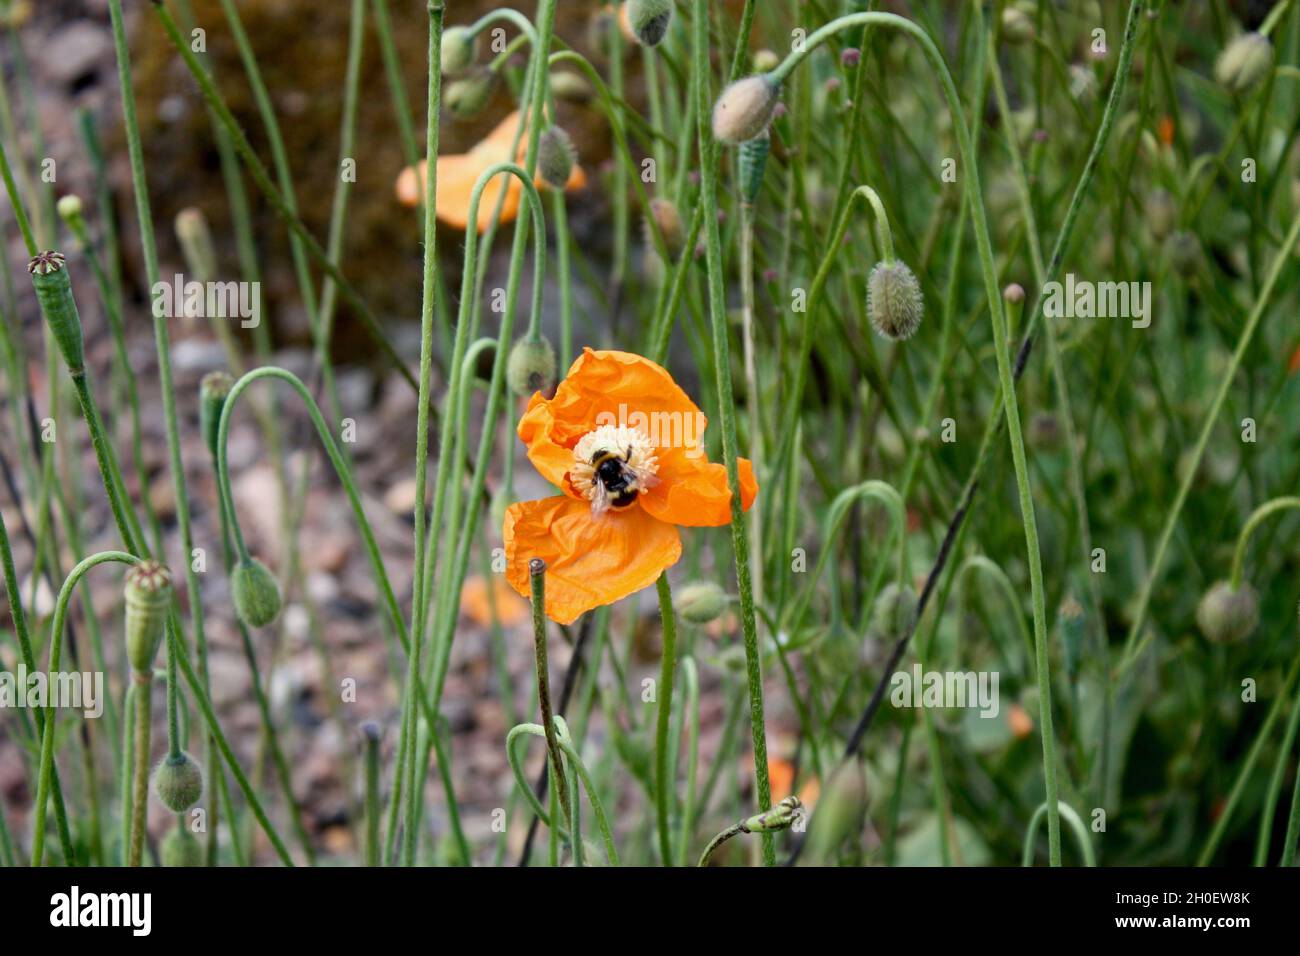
point(255, 592)
point(1162, 214)
point(1244, 62)
point(765, 61)
point(894, 302)
point(213, 390)
point(180, 848)
point(649, 19)
point(1014, 293)
point(466, 98)
point(753, 161)
point(701, 602)
point(669, 223)
point(1017, 24)
point(780, 817)
point(196, 244)
point(531, 367)
point(891, 615)
point(1184, 252)
point(839, 812)
point(570, 87)
point(744, 108)
point(178, 782)
point(1225, 615)
point(147, 592)
point(69, 207)
point(459, 50)
point(555, 157)
point(54, 295)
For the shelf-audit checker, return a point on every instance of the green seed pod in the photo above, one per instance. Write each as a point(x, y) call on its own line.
point(459, 50)
point(255, 592)
point(744, 108)
point(701, 602)
point(649, 19)
point(1184, 252)
point(839, 813)
point(213, 390)
point(178, 782)
point(765, 61)
point(753, 161)
point(556, 157)
point(195, 239)
point(54, 294)
point(570, 87)
point(1226, 615)
point(780, 817)
point(669, 222)
point(147, 592)
point(891, 614)
point(894, 302)
point(531, 367)
point(466, 98)
point(1162, 214)
point(1244, 62)
point(180, 848)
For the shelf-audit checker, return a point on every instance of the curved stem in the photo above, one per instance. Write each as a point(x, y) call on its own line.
point(1256, 518)
point(1076, 825)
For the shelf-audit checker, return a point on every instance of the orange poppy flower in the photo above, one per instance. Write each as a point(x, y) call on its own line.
point(625, 445)
point(476, 604)
point(458, 173)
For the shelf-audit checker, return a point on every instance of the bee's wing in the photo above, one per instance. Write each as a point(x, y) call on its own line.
point(599, 499)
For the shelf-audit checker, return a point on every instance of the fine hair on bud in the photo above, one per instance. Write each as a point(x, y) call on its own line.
point(459, 50)
point(556, 157)
point(147, 593)
point(214, 388)
point(894, 302)
point(178, 782)
point(649, 19)
point(744, 109)
point(531, 367)
point(1227, 614)
point(701, 602)
point(255, 592)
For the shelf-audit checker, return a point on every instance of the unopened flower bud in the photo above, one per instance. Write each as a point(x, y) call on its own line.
point(1226, 614)
point(466, 98)
point(255, 592)
point(839, 813)
point(1017, 24)
point(850, 57)
point(531, 367)
point(1014, 293)
point(1244, 62)
point(178, 782)
point(196, 244)
point(649, 19)
point(780, 817)
point(894, 302)
point(570, 87)
point(69, 207)
point(701, 602)
point(147, 593)
point(555, 157)
point(668, 221)
point(459, 50)
point(54, 295)
point(744, 108)
point(213, 390)
point(180, 848)
point(892, 612)
point(765, 61)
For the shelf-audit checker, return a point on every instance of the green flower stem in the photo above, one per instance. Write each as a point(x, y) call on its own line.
point(727, 406)
point(1256, 518)
point(691, 678)
point(1265, 836)
point(1137, 641)
point(665, 789)
point(23, 635)
point(278, 202)
point(126, 792)
point(753, 397)
point(51, 713)
point(537, 579)
point(140, 766)
point(1292, 827)
point(990, 568)
point(1069, 815)
point(15, 202)
point(414, 792)
point(372, 795)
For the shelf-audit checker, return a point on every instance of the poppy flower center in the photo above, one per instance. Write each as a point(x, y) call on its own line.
point(613, 464)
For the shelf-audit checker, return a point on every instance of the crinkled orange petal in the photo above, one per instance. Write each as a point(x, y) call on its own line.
point(615, 388)
point(694, 492)
point(457, 174)
point(590, 562)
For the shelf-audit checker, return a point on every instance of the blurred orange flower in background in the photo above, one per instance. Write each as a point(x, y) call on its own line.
point(457, 174)
point(625, 445)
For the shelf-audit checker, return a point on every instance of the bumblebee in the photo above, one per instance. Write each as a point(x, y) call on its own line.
point(616, 482)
